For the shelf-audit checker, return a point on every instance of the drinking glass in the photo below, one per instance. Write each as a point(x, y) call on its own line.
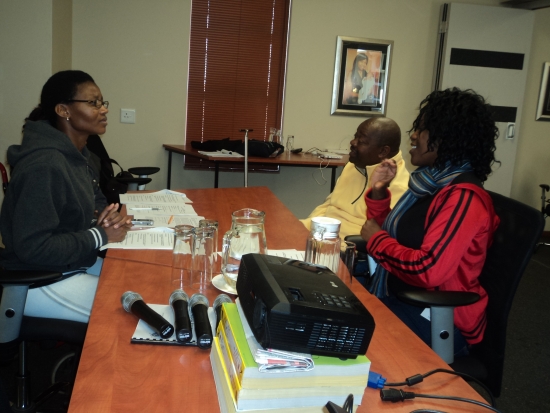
point(182, 256)
point(349, 257)
point(290, 143)
point(203, 258)
point(212, 223)
point(272, 133)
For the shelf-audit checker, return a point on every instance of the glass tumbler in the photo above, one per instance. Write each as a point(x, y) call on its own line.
point(212, 223)
point(182, 256)
point(349, 257)
point(203, 259)
point(289, 143)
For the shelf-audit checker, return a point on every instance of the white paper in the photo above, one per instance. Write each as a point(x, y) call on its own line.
point(160, 209)
point(271, 360)
point(169, 221)
point(290, 254)
point(165, 196)
point(220, 154)
point(148, 239)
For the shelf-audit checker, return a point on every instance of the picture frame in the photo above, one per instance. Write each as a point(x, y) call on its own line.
point(543, 107)
point(361, 76)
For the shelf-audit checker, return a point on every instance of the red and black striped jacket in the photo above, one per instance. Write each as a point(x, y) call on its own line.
point(458, 230)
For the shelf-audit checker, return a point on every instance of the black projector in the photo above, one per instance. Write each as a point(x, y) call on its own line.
point(296, 306)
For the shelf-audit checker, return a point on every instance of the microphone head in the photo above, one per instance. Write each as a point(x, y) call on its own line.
point(198, 299)
point(220, 299)
point(128, 299)
point(178, 294)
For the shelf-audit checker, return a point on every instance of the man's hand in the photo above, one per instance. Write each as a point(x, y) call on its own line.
point(369, 228)
point(381, 177)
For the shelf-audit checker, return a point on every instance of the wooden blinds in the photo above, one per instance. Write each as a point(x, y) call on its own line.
point(237, 68)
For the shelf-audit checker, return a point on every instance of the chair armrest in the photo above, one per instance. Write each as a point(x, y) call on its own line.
point(438, 298)
point(144, 170)
point(133, 180)
point(360, 243)
point(32, 278)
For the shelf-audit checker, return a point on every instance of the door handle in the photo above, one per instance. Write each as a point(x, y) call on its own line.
point(510, 131)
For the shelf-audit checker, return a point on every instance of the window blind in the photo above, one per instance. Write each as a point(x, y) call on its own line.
point(237, 67)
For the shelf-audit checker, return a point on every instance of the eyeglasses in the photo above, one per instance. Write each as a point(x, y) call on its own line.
point(97, 103)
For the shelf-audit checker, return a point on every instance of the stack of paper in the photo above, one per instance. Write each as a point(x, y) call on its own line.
point(166, 209)
point(241, 386)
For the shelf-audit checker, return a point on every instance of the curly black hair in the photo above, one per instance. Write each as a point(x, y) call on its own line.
point(461, 126)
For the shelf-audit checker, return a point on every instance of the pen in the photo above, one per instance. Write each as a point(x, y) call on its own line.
point(145, 209)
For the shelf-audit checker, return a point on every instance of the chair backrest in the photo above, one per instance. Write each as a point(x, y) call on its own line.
point(110, 186)
point(4, 177)
point(513, 244)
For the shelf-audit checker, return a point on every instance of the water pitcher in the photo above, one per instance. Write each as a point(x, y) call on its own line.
point(323, 243)
point(247, 235)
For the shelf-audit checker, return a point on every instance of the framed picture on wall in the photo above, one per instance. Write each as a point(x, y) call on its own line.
point(361, 76)
point(543, 108)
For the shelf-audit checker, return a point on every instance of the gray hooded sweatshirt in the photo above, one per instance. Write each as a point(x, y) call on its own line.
point(47, 220)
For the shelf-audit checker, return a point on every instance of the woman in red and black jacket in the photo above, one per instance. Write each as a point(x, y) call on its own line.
point(437, 235)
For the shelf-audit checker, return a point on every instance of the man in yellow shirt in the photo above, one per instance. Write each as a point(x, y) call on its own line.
point(376, 139)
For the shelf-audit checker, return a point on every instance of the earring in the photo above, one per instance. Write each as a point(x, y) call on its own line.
point(67, 118)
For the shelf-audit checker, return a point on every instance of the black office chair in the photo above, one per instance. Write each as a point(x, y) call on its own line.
point(16, 329)
point(513, 244)
point(113, 185)
point(545, 208)
point(4, 174)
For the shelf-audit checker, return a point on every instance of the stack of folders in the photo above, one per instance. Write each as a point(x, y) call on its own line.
point(242, 387)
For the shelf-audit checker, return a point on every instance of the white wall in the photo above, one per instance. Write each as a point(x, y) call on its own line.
point(137, 51)
point(25, 64)
point(533, 156)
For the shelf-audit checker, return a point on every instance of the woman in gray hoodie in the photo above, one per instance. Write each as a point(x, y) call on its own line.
point(54, 216)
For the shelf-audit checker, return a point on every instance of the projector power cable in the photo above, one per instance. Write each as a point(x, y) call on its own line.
point(396, 395)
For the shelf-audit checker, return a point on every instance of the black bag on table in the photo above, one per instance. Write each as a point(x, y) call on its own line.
point(262, 149)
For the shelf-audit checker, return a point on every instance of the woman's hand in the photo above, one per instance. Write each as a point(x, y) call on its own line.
point(381, 177)
point(116, 234)
point(111, 217)
point(369, 228)
point(115, 225)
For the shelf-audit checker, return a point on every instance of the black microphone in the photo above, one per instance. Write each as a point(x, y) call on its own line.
point(198, 309)
point(217, 306)
point(133, 303)
point(179, 302)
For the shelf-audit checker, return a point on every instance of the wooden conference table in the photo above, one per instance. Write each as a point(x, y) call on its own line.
point(117, 376)
point(286, 158)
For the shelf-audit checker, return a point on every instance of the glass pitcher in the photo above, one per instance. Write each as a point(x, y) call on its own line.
point(247, 235)
point(323, 243)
